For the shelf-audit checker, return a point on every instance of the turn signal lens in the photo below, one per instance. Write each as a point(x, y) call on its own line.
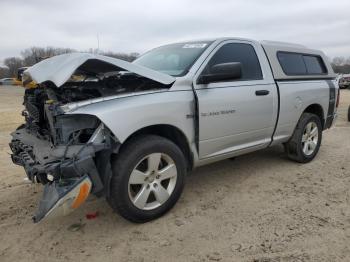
point(82, 196)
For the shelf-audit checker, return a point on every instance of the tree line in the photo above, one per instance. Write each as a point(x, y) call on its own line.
point(341, 65)
point(33, 55)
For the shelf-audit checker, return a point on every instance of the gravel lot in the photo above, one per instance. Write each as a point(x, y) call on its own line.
point(258, 207)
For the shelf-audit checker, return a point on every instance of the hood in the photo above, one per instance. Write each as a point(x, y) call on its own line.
point(59, 69)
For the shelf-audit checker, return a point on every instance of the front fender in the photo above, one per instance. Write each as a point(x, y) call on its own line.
point(126, 115)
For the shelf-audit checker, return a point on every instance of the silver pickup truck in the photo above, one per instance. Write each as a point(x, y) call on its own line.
point(132, 131)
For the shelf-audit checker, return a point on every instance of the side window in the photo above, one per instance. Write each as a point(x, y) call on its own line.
point(301, 64)
point(314, 65)
point(237, 52)
point(292, 64)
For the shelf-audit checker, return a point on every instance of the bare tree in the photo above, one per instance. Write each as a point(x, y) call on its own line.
point(13, 63)
point(341, 65)
point(35, 54)
point(347, 62)
point(123, 56)
point(338, 61)
point(4, 72)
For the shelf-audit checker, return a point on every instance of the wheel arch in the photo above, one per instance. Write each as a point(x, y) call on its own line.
point(317, 110)
point(170, 132)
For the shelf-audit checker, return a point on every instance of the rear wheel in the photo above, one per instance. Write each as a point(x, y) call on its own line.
point(306, 140)
point(148, 178)
point(349, 114)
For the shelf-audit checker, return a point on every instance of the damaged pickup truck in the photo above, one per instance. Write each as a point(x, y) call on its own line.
point(131, 131)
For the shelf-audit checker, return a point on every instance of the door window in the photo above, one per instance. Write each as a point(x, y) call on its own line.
point(238, 52)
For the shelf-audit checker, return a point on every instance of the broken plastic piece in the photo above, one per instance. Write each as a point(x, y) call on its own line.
point(63, 197)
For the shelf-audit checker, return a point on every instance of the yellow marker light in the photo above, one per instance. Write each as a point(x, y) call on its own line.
point(72, 198)
point(82, 196)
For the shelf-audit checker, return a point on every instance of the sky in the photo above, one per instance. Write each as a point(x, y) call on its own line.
point(139, 25)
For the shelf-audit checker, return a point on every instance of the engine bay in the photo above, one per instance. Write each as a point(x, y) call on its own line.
point(99, 86)
point(43, 102)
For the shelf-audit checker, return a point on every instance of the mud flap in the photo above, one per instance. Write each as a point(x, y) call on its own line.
point(63, 197)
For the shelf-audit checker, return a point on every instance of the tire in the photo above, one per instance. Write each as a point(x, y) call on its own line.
point(133, 164)
point(303, 146)
point(349, 114)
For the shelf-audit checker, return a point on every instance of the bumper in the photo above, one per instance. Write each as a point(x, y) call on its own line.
point(68, 172)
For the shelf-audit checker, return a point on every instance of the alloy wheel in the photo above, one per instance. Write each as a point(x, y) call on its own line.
point(152, 181)
point(309, 139)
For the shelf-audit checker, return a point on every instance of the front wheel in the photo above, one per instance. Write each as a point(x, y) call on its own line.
point(148, 178)
point(306, 140)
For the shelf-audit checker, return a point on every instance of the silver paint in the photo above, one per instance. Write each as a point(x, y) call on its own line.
point(251, 123)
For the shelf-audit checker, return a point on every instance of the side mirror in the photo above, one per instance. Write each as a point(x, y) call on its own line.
point(221, 72)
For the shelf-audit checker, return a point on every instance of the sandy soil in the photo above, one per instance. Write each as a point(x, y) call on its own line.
point(259, 207)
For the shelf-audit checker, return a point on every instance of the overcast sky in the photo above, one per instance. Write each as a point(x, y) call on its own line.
point(135, 26)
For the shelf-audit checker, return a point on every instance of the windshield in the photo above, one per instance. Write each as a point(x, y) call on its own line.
point(174, 59)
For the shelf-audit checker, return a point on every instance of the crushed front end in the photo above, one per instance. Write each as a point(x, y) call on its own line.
point(68, 153)
point(71, 153)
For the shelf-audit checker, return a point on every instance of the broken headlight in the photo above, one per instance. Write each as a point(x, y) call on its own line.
point(75, 129)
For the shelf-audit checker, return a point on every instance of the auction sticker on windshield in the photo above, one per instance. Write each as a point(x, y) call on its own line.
point(198, 45)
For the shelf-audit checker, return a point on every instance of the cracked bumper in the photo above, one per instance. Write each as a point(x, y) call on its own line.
point(69, 173)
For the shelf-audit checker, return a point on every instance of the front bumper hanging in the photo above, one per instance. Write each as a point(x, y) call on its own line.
point(69, 173)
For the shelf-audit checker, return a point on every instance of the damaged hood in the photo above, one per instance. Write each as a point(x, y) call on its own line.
point(59, 69)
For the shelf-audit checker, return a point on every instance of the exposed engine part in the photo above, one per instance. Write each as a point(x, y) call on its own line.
point(34, 100)
point(106, 85)
point(77, 129)
point(48, 164)
point(32, 107)
point(42, 113)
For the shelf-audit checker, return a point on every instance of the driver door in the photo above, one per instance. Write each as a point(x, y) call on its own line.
point(235, 114)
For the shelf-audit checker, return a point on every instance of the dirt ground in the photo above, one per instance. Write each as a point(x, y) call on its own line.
point(258, 207)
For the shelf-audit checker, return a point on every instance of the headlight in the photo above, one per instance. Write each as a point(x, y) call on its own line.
point(75, 129)
point(61, 199)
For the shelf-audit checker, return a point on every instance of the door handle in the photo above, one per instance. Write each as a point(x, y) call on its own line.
point(262, 92)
